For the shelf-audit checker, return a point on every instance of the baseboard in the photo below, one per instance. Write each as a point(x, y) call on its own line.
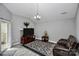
point(19, 43)
point(52, 41)
point(15, 43)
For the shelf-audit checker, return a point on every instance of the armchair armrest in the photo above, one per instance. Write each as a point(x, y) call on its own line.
point(63, 49)
point(62, 42)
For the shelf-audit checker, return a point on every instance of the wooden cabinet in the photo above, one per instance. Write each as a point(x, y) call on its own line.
point(28, 35)
point(27, 39)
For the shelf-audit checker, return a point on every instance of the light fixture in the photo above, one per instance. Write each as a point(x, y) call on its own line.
point(37, 16)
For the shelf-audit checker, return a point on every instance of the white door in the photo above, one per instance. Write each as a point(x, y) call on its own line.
point(4, 35)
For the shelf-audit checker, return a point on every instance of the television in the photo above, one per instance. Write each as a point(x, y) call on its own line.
point(28, 31)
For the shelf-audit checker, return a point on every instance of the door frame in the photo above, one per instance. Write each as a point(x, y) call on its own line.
point(9, 32)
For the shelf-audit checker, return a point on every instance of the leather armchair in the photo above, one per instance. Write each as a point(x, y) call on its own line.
point(65, 47)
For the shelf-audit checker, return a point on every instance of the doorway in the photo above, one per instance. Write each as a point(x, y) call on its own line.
point(4, 35)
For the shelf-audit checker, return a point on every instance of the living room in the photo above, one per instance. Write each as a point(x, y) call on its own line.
point(58, 20)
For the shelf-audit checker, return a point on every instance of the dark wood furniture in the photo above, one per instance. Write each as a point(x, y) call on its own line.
point(28, 35)
point(27, 39)
point(45, 38)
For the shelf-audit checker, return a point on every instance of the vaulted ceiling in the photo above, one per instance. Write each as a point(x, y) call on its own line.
point(48, 11)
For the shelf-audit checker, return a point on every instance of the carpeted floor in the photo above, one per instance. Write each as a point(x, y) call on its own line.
point(35, 48)
point(19, 50)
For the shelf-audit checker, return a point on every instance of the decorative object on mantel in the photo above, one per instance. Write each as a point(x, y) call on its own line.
point(26, 24)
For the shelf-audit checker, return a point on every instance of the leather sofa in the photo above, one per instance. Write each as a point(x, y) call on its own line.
point(65, 47)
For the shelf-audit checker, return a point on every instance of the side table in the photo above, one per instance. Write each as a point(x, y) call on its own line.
point(45, 38)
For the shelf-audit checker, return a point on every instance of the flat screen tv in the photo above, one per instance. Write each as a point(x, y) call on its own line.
point(28, 31)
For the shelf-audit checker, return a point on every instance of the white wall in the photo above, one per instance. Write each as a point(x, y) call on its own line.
point(17, 26)
point(16, 23)
point(5, 14)
point(77, 24)
point(56, 29)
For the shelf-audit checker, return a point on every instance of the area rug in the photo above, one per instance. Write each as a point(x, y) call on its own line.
point(44, 48)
